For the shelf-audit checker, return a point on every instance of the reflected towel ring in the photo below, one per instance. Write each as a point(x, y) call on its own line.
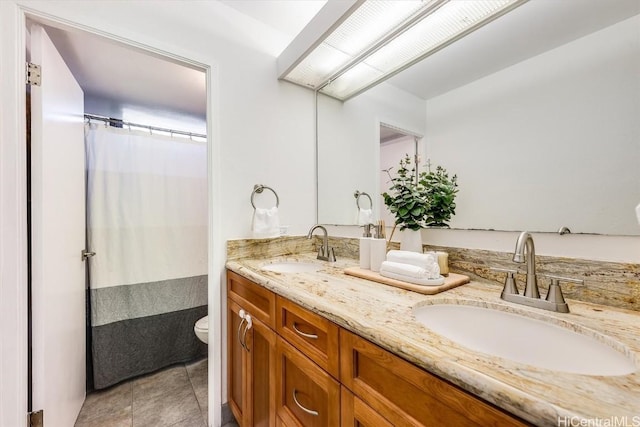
point(258, 188)
point(359, 194)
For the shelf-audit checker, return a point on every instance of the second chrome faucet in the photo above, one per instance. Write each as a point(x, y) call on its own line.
point(525, 253)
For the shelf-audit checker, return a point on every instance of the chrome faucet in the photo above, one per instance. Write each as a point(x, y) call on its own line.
point(525, 252)
point(324, 253)
point(525, 241)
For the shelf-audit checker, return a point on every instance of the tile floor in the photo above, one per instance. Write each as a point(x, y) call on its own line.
point(173, 397)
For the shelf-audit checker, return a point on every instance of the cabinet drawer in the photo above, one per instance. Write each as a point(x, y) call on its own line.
point(315, 336)
point(258, 301)
point(306, 395)
point(356, 413)
point(407, 395)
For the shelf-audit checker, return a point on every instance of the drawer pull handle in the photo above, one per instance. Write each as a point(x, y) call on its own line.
point(310, 336)
point(238, 332)
point(244, 334)
point(308, 411)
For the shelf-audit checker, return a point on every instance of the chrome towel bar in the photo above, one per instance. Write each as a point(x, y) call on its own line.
point(259, 188)
point(359, 194)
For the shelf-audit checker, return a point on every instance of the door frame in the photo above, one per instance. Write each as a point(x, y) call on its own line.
point(13, 212)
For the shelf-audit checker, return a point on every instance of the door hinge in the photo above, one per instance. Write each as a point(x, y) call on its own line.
point(36, 418)
point(33, 74)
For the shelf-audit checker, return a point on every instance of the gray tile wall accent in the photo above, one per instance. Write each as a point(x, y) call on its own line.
point(118, 303)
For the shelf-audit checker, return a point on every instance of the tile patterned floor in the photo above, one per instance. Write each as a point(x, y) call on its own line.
point(173, 397)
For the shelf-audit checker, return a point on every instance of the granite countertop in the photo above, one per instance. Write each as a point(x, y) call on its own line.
point(383, 315)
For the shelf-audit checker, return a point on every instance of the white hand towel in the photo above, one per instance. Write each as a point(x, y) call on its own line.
point(431, 272)
point(407, 257)
point(266, 223)
point(414, 280)
point(365, 216)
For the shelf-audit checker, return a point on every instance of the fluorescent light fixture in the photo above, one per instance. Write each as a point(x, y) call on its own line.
point(376, 39)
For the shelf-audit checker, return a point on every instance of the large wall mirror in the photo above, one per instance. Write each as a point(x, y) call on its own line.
point(538, 113)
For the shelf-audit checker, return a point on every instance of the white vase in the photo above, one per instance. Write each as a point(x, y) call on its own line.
point(411, 240)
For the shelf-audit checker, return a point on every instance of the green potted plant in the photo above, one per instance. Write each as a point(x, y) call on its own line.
point(418, 200)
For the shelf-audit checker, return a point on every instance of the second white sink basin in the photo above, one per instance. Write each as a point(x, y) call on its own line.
point(292, 267)
point(523, 339)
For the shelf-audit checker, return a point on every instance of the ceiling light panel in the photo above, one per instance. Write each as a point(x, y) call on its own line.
point(448, 23)
point(370, 23)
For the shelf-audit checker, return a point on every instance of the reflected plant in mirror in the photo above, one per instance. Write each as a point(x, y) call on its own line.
point(421, 199)
point(441, 192)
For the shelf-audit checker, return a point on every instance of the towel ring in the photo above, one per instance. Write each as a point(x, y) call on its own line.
point(259, 188)
point(359, 194)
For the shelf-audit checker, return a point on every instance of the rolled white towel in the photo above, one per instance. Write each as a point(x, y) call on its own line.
point(404, 269)
point(412, 258)
point(425, 282)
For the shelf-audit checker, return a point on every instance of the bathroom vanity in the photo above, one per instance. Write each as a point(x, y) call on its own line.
point(315, 373)
point(324, 348)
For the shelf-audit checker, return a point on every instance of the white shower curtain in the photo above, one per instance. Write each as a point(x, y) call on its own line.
point(147, 223)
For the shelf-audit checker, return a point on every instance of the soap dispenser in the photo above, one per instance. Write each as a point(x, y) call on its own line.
point(365, 247)
point(378, 247)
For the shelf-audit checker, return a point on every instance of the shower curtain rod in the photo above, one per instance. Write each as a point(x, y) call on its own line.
point(151, 128)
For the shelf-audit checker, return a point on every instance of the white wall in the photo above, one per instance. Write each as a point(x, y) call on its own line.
point(262, 132)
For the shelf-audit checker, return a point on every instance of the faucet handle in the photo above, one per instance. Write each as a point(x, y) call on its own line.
point(331, 255)
point(326, 255)
point(555, 292)
point(557, 279)
point(510, 287)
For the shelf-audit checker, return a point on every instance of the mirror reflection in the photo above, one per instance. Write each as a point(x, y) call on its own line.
point(540, 137)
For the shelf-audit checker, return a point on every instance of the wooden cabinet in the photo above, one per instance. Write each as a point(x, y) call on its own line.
point(307, 395)
point(290, 367)
point(407, 395)
point(251, 353)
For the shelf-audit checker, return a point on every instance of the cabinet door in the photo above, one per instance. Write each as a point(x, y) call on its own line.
point(356, 413)
point(260, 343)
point(236, 364)
point(306, 395)
point(407, 395)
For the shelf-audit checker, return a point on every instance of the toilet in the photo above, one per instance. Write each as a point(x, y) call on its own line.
point(201, 329)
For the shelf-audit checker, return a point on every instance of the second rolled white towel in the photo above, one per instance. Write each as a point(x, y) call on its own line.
point(407, 257)
point(407, 270)
point(409, 273)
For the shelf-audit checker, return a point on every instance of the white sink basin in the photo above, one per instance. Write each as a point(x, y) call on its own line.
point(292, 267)
point(523, 339)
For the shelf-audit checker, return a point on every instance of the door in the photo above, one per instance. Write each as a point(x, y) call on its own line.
point(58, 237)
point(261, 357)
